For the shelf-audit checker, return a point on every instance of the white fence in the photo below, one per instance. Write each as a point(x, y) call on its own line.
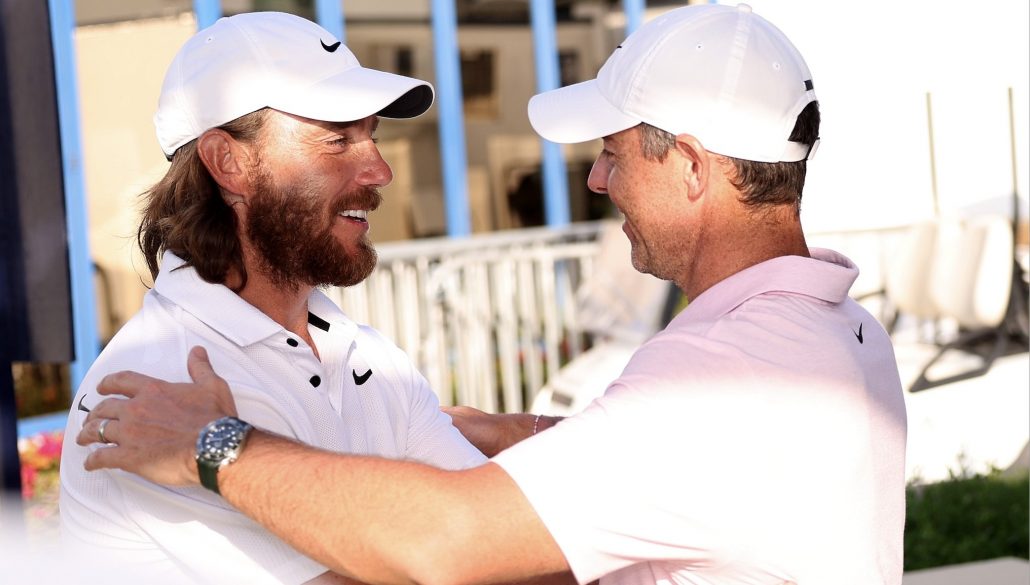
point(490, 319)
point(486, 319)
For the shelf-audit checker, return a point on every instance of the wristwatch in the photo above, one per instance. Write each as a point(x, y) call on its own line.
point(218, 445)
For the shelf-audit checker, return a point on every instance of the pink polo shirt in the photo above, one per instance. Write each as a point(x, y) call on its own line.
point(759, 438)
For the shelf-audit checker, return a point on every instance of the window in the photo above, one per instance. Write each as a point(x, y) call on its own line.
point(477, 84)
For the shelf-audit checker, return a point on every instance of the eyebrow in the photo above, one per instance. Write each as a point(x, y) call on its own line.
point(341, 126)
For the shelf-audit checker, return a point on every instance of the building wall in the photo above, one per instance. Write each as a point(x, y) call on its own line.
point(120, 69)
point(121, 65)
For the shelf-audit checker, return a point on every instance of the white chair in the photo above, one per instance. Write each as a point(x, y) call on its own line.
point(908, 274)
point(621, 308)
point(616, 301)
point(972, 283)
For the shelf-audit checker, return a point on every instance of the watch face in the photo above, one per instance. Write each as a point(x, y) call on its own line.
point(221, 441)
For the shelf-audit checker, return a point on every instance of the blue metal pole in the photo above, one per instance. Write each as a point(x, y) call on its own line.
point(84, 320)
point(634, 10)
point(207, 11)
point(451, 117)
point(329, 14)
point(545, 51)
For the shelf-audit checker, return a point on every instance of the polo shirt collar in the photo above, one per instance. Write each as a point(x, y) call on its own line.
point(827, 276)
point(225, 312)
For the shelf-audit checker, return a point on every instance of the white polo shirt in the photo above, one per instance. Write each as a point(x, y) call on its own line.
point(759, 438)
point(364, 396)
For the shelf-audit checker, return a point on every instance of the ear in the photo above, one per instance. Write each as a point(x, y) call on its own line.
point(227, 160)
point(696, 164)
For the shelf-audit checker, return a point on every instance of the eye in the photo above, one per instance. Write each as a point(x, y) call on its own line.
point(339, 141)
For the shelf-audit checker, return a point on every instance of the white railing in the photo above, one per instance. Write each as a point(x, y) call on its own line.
point(490, 319)
point(487, 319)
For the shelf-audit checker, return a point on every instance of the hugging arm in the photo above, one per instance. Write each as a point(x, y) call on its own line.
point(374, 519)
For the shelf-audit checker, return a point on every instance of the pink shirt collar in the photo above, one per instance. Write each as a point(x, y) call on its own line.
point(827, 276)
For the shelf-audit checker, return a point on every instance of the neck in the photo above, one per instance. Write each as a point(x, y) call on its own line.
point(285, 306)
point(749, 239)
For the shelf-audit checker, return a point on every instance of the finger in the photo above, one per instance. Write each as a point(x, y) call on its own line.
point(108, 408)
point(106, 458)
point(203, 374)
point(90, 432)
point(460, 410)
point(199, 365)
point(124, 383)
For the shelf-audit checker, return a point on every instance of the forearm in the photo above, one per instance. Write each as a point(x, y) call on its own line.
point(389, 521)
point(272, 482)
point(518, 427)
point(493, 433)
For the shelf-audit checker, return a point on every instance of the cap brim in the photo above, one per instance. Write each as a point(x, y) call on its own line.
point(576, 113)
point(358, 93)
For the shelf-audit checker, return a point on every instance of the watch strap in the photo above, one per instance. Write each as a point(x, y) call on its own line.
point(208, 473)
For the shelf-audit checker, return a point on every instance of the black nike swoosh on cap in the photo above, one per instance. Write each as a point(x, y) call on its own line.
point(359, 380)
point(81, 407)
point(331, 48)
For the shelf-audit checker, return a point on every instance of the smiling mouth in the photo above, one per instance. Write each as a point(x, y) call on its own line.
point(355, 214)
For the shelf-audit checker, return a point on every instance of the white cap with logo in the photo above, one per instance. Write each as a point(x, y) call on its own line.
point(249, 61)
point(720, 73)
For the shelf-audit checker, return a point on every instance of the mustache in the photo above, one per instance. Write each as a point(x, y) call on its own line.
point(367, 198)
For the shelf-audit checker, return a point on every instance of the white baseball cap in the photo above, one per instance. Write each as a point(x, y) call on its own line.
point(249, 61)
point(720, 73)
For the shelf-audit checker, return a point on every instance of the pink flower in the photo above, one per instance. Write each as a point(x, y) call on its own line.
point(50, 444)
point(28, 481)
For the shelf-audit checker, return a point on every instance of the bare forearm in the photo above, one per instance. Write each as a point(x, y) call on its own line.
point(493, 433)
point(518, 427)
point(387, 521)
point(379, 520)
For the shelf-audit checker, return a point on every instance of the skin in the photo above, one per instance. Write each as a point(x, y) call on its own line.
point(401, 522)
point(493, 433)
point(334, 158)
point(684, 218)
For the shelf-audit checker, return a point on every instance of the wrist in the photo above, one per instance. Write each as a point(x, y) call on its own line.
point(538, 423)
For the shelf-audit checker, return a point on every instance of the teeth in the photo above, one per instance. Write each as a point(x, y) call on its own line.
point(356, 214)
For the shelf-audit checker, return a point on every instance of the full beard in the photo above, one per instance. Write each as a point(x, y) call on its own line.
point(291, 228)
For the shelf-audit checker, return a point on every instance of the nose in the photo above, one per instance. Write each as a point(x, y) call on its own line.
point(376, 172)
point(597, 181)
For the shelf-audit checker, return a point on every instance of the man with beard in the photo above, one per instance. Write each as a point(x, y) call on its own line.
point(269, 124)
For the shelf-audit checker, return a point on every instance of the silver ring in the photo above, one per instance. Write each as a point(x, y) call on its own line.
point(100, 431)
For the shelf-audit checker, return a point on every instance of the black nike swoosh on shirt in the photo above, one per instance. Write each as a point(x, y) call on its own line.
point(81, 407)
point(331, 48)
point(359, 380)
point(858, 333)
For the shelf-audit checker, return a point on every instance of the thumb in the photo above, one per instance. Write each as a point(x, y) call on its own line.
point(199, 366)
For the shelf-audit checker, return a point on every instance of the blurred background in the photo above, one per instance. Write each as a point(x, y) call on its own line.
point(501, 275)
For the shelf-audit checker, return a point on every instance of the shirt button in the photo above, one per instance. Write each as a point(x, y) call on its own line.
point(315, 381)
point(291, 342)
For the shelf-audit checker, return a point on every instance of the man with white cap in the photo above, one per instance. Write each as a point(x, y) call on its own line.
point(759, 438)
point(269, 124)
